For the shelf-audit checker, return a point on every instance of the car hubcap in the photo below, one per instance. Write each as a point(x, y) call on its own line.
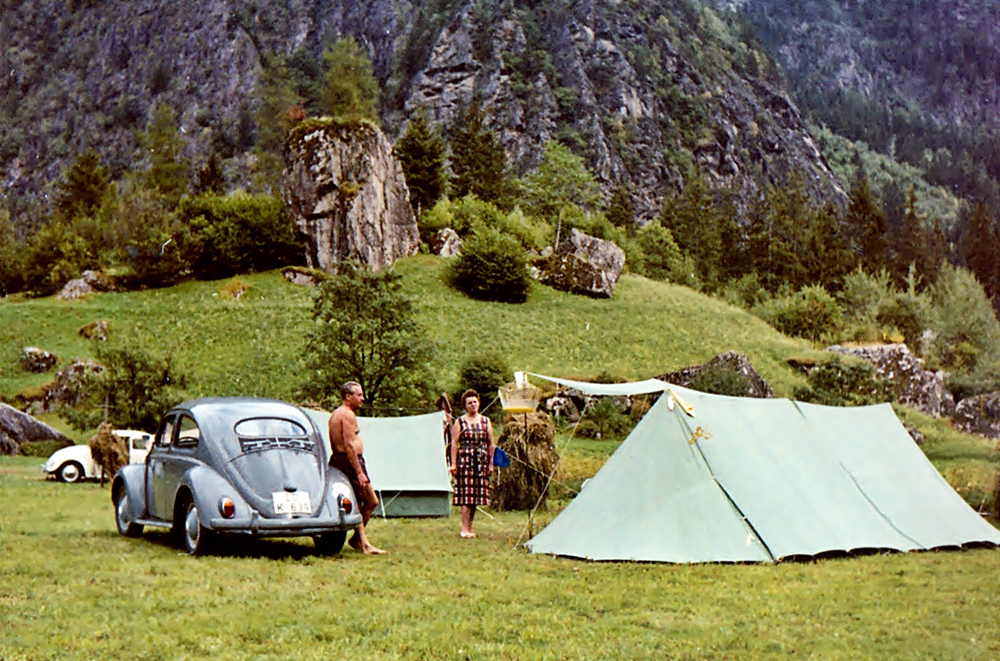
point(192, 527)
point(123, 512)
point(70, 473)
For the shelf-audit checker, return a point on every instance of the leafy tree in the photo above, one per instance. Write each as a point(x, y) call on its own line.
point(968, 334)
point(621, 211)
point(421, 152)
point(83, 186)
point(365, 331)
point(478, 160)
point(663, 259)
point(149, 239)
point(485, 373)
point(238, 233)
point(492, 267)
point(135, 388)
point(349, 89)
point(561, 179)
point(56, 254)
point(168, 170)
point(11, 260)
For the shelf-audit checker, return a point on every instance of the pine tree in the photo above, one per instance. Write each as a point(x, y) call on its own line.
point(11, 257)
point(478, 160)
point(867, 224)
point(621, 211)
point(210, 178)
point(421, 153)
point(168, 170)
point(979, 247)
point(83, 187)
point(696, 220)
point(278, 110)
point(777, 242)
point(349, 88)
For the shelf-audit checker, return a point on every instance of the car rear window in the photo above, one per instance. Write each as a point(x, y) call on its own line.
point(258, 434)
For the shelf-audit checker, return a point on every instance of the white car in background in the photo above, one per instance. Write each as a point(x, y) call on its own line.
point(74, 463)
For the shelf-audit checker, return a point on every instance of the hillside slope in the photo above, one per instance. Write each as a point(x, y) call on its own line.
point(252, 346)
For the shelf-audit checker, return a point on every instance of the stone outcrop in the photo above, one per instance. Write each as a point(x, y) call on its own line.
point(37, 360)
point(17, 428)
point(67, 388)
point(446, 243)
point(979, 415)
point(86, 284)
point(95, 330)
point(734, 361)
point(913, 386)
point(583, 264)
point(347, 195)
point(300, 276)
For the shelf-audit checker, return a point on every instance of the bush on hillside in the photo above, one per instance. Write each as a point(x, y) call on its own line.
point(968, 334)
point(485, 373)
point(841, 383)
point(721, 380)
point(56, 254)
point(469, 214)
point(492, 267)
point(149, 240)
point(11, 257)
point(811, 313)
point(239, 233)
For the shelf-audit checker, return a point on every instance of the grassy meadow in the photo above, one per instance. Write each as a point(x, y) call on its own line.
point(252, 346)
point(72, 588)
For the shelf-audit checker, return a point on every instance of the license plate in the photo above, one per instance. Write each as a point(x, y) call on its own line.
point(295, 502)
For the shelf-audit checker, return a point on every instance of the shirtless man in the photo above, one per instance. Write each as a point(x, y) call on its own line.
point(348, 457)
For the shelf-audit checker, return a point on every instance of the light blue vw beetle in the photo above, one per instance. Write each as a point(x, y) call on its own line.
point(236, 465)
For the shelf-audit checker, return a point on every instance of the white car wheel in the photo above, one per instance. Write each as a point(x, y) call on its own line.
point(70, 472)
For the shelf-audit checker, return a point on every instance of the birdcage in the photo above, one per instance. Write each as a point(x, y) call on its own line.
point(520, 396)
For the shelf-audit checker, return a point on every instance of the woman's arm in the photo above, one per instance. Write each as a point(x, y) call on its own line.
point(492, 445)
point(456, 430)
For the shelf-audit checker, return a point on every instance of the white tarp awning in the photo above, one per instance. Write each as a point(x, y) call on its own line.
point(613, 389)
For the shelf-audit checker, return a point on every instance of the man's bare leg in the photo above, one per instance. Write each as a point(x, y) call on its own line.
point(359, 540)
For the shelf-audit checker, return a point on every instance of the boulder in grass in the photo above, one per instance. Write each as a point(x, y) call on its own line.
point(583, 264)
point(18, 429)
point(735, 363)
point(979, 415)
point(74, 290)
point(95, 330)
point(446, 243)
point(37, 360)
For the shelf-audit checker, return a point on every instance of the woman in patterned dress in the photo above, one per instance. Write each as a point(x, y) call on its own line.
point(471, 460)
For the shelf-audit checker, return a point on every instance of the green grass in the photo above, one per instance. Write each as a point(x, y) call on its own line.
point(252, 346)
point(72, 588)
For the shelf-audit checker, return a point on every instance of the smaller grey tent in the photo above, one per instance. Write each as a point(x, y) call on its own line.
point(406, 463)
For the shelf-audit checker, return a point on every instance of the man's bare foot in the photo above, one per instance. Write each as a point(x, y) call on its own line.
point(356, 543)
point(467, 534)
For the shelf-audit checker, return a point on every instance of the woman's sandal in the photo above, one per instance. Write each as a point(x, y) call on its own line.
point(467, 535)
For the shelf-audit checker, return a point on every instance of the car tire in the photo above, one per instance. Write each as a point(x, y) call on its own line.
point(70, 472)
point(197, 538)
point(330, 543)
point(123, 515)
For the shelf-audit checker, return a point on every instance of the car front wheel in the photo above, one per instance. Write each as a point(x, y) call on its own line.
point(197, 538)
point(70, 472)
point(330, 543)
point(123, 515)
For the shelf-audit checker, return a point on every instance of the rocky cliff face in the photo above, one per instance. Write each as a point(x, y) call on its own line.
point(347, 195)
point(642, 89)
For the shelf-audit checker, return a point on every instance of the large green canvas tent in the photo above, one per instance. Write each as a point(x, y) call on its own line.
point(406, 463)
point(752, 480)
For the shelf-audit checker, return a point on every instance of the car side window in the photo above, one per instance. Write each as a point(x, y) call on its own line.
point(166, 435)
point(188, 434)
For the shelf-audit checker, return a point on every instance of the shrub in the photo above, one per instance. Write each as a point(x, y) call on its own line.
point(492, 267)
point(745, 292)
point(663, 259)
point(486, 374)
point(810, 312)
point(721, 380)
point(11, 257)
point(239, 233)
point(841, 383)
point(863, 295)
point(968, 334)
point(469, 214)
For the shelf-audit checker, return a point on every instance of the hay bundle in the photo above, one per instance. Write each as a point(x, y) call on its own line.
point(533, 458)
point(108, 451)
